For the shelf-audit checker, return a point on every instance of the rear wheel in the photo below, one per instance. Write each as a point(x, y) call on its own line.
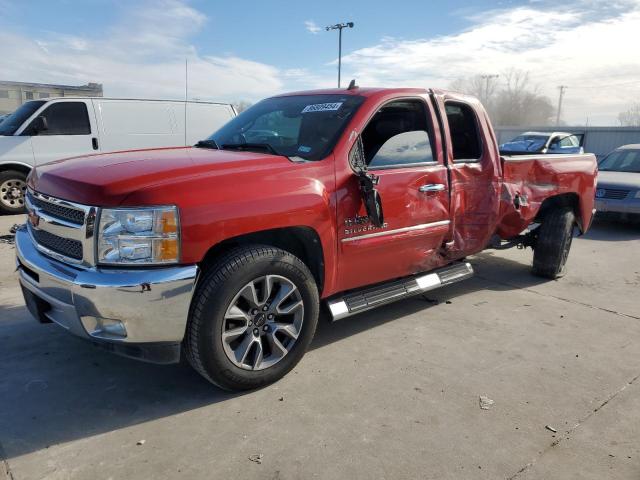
point(553, 243)
point(252, 318)
point(13, 186)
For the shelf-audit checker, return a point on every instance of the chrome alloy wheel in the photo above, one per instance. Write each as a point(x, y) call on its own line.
point(263, 322)
point(12, 193)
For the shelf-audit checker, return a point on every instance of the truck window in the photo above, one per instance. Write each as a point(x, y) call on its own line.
point(66, 118)
point(398, 135)
point(464, 132)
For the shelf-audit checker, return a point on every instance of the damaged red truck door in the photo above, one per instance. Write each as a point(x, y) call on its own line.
point(401, 146)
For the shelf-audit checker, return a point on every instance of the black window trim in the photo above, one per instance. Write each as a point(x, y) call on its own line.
point(430, 133)
point(479, 137)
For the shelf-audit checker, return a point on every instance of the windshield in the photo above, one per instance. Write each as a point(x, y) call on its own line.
point(621, 161)
point(306, 126)
point(10, 124)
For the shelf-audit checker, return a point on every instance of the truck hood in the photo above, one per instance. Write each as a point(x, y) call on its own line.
point(627, 180)
point(107, 179)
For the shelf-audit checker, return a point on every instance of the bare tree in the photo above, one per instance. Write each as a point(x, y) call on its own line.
point(483, 87)
point(509, 99)
point(630, 117)
point(241, 105)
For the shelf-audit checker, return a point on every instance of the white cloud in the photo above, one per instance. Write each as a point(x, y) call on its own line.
point(312, 27)
point(142, 56)
point(586, 46)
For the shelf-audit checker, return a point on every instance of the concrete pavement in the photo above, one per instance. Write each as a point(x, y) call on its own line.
point(392, 393)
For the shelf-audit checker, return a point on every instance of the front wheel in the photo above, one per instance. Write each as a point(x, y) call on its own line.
point(553, 243)
point(252, 318)
point(13, 186)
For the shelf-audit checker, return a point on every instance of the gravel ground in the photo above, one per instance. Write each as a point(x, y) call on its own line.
point(393, 393)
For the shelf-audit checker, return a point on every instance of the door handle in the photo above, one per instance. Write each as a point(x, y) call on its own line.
point(432, 187)
point(94, 143)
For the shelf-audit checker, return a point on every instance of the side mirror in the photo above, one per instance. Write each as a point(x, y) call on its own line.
point(368, 181)
point(39, 124)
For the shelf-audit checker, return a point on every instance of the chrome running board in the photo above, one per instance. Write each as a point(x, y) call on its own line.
point(367, 298)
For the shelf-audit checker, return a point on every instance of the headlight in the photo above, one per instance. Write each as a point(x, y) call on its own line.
point(638, 194)
point(138, 236)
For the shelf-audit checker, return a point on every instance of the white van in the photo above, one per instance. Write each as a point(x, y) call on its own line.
point(41, 131)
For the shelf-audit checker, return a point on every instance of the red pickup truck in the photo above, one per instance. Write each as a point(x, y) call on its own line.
point(223, 253)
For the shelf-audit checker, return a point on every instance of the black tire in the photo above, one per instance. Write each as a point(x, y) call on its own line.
point(9, 202)
point(553, 243)
point(215, 292)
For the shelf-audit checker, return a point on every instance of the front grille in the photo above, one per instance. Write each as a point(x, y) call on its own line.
point(63, 246)
point(59, 211)
point(612, 193)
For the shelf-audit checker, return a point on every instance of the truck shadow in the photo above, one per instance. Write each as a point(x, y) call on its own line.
point(605, 230)
point(55, 388)
point(491, 273)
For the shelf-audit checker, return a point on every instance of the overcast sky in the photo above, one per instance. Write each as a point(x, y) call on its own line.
point(249, 50)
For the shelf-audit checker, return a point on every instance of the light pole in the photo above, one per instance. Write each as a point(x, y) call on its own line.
point(487, 79)
point(562, 88)
point(339, 27)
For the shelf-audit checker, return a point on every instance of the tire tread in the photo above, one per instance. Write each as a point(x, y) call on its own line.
point(556, 229)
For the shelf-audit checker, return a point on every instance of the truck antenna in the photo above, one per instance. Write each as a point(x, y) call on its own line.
point(352, 85)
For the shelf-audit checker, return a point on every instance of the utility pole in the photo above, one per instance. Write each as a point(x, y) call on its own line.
point(486, 79)
point(339, 27)
point(562, 89)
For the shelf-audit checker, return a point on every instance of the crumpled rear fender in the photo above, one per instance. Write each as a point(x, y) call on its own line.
point(531, 184)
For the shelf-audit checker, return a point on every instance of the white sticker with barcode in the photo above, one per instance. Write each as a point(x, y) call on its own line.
point(322, 107)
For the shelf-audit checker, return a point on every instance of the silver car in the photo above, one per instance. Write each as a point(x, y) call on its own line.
point(618, 191)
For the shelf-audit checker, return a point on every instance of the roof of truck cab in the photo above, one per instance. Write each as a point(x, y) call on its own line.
point(128, 99)
point(361, 91)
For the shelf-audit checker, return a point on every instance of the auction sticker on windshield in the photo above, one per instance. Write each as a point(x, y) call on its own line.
point(322, 107)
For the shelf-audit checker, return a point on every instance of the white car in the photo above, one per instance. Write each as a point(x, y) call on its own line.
point(41, 131)
point(529, 143)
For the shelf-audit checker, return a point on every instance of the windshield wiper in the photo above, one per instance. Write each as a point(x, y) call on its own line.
point(250, 146)
point(209, 143)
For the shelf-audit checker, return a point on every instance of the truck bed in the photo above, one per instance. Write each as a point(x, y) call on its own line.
point(528, 180)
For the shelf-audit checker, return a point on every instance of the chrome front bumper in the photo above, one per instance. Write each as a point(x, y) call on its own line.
point(117, 306)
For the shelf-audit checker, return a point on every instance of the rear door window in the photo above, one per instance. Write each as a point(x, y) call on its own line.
point(463, 128)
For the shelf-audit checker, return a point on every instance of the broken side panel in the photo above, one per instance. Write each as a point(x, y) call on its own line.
point(530, 180)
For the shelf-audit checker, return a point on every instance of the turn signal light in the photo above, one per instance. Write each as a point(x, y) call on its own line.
point(165, 250)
